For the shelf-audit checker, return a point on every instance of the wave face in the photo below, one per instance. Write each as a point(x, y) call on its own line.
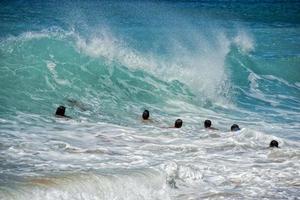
point(231, 62)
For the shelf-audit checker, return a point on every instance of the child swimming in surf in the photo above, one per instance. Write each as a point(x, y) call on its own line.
point(207, 125)
point(274, 143)
point(235, 127)
point(145, 116)
point(60, 112)
point(178, 123)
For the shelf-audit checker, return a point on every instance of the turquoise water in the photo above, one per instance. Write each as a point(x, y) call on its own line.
point(228, 61)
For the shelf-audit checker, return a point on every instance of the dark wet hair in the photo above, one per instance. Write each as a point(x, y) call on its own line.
point(274, 143)
point(178, 123)
point(60, 111)
point(146, 114)
point(207, 123)
point(235, 127)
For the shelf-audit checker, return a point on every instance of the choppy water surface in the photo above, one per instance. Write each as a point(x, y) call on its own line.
point(107, 61)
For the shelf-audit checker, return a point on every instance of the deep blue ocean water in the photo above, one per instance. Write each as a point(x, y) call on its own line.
point(107, 61)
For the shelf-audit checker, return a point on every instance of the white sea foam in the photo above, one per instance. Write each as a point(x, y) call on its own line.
point(280, 80)
point(257, 93)
point(142, 184)
point(244, 41)
point(53, 32)
point(107, 46)
point(148, 163)
point(52, 68)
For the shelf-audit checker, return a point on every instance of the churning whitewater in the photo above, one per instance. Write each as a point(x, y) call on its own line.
point(108, 61)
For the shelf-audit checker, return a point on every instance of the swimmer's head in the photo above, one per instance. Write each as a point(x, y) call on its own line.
point(207, 123)
point(235, 127)
point(178, 123)
point(60, 111)
point(274, 143)
point(146, 114)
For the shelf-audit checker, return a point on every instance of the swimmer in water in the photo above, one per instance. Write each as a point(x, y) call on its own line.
point(235, 127)
point(60, 112)
point(146, 115)
point(274, 143)
point(178, 123)
point(207, 125)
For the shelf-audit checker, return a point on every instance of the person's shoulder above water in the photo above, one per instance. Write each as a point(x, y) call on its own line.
point(60, 112)
point(207, 125)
